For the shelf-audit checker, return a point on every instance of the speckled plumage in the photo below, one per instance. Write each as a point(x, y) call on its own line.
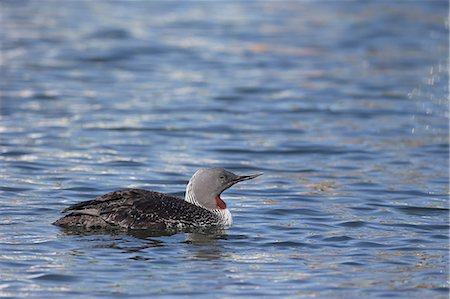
point(142, 209)
point(137, 209)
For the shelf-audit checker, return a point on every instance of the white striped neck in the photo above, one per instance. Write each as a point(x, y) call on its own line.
point(223, 214)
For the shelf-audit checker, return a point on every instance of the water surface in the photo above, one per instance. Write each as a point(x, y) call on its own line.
point(342, 105)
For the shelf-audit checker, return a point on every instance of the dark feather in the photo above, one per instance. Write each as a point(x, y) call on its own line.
point(136, 209)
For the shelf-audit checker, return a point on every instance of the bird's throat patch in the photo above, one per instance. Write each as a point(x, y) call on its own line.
point(220, 203)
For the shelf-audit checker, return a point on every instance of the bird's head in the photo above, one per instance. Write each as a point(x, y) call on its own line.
point(206, 186)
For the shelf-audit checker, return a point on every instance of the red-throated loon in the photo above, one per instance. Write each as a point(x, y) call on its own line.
point(142, 209)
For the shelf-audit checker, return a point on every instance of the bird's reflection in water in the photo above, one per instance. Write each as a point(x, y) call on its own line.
point(207, 245)
point(205, 241)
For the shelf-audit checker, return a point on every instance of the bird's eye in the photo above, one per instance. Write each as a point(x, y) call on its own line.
point(222, 177)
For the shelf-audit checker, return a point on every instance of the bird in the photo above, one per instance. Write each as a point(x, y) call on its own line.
point(145, 209)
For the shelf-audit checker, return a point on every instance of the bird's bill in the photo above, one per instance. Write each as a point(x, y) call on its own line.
point(242, 178)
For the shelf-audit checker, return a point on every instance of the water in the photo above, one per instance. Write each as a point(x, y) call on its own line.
point(342, 105)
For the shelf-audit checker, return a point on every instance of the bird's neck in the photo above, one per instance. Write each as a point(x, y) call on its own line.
point(190, 195)
point(224, 214)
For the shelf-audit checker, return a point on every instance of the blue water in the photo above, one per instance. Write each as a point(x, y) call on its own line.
point(342, 105)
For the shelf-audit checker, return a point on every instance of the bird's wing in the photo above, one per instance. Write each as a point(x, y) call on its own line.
point(137, 208)
point(158, 210)
point(115, 198)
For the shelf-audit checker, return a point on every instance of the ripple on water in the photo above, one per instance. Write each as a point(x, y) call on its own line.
point(54, 277)
point(423, 211)
point(337, 239)
point(353, 224)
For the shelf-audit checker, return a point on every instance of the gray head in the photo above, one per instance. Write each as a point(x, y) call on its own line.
point(206, 185)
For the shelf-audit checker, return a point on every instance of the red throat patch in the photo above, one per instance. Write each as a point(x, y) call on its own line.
point(220, 203)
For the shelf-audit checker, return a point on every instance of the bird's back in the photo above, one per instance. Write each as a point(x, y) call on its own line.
point(136, 209)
